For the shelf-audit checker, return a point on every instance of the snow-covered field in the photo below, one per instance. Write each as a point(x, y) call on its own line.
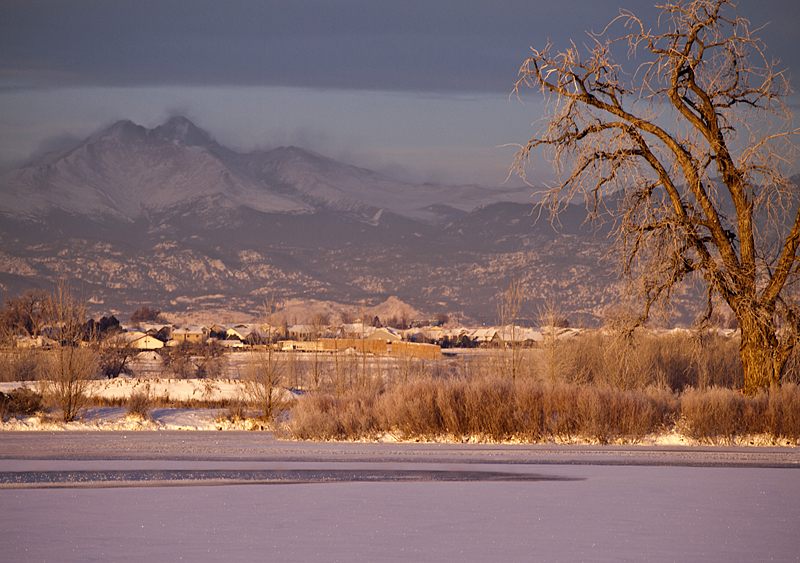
point(116, 418)
point(180, 389)
point(581, 504)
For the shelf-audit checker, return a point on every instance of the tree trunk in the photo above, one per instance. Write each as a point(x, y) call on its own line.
point(762, 357)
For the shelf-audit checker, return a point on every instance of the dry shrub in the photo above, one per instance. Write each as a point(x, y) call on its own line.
point(717, 414)
point(21, 401)
point(529, 416)
point(313, 419)
point(641, 360)
point(360, 415)
point(324, 417)
point(262, 380)
point(236, 412)
point(559, 409)
point(164, 401)
point(451, 403)
point(782, 416)
point(70, 373)
point(716, 362)
point(411, 409)
point(491, 410)
point(533, 411)
point(21, 364)
point(139, 404)
point(606, 415)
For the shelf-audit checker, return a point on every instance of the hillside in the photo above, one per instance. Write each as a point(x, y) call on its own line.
point(170, 218)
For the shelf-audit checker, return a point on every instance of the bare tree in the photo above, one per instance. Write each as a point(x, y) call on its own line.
point(687, 154)
point(319, 326)
point(553, 360)
point(115, 354)
point(73, 365)
point(347, 317)
point(264, 373)
point(193, 360)
point(177, 361)
point(145, 314)
point(28, 313)
point(405, 319)
point(508, 313)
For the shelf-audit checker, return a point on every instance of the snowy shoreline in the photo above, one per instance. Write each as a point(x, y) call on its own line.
point(117, 419)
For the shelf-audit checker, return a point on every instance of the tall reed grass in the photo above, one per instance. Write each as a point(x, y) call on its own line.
point(595, 387)
point(528, 411)
point(486, 410)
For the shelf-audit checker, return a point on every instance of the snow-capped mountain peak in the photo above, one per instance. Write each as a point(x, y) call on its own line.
point(128, 172)
point(184, 131)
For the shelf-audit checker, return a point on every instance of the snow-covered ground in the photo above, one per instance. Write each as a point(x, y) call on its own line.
point(179, 389)
point(584, 504)
point(116, 418)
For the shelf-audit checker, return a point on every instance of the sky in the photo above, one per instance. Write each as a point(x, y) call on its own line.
point(419, 90)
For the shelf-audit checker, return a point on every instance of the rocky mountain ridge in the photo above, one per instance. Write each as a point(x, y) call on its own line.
point(170, 218)
point(128, 172)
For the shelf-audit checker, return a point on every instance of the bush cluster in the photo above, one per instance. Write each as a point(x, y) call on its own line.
point(139, 403)
point(19, 364)
point(21, 401)
point(720, 415)
point(641, 360)
point(530, 411)
point(486, 409)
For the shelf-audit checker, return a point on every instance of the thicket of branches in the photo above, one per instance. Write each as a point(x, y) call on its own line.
point(685, 148)
point(71, 366)
point(533, 411)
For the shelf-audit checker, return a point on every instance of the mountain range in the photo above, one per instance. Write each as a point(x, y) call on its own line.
point(168, 217)
point(128, 173)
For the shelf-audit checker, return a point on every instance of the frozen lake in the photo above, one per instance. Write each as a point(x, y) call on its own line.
point(197, 496)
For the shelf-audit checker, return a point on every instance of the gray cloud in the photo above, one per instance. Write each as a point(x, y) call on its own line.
point(415, 88)
point(357, 44)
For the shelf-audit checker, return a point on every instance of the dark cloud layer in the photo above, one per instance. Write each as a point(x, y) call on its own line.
point(402, 45)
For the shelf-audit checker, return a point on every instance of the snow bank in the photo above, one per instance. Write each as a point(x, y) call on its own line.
point(116, 418)
point(176, 389)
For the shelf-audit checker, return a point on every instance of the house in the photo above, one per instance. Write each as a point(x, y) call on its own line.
point(28, 342)
point(483, 335)
point(218, 331)
point(387, 334)
point(301, 332)
point(134, 339)
point(245, 332)
point(352, 330)
point(194, 334)
point(123, 338)
point(146, 342)
point(161, 332)
point(239, 332)
point(517, 335)
point(250, 333)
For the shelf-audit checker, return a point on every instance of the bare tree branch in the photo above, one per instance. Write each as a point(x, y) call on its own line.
point(689, 156)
